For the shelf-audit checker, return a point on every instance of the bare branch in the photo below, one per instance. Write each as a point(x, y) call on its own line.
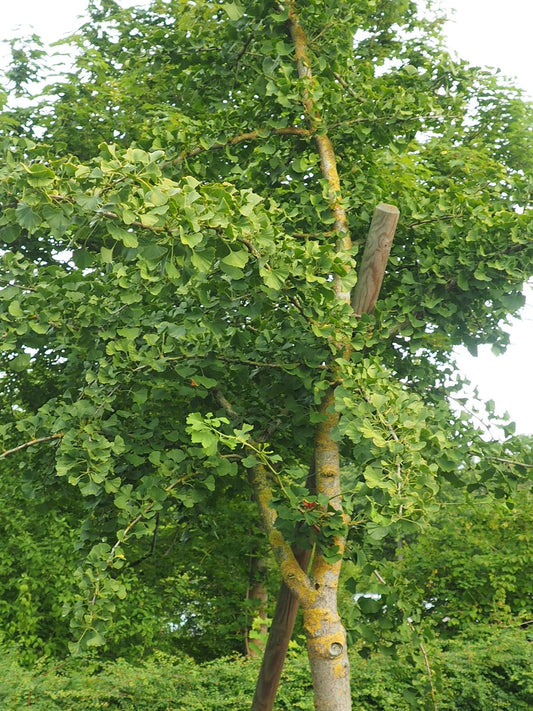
point(38, 440)
point(243, 137)
point(348, 88)
point(510, 461)
point(294, 577)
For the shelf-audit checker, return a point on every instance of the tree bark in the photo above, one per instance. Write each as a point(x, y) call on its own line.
point(326, 636)
point(328, 654)
point(285, 613)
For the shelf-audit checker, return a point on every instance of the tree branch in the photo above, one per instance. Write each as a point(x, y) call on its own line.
point(247, 136)
point(348, 88)
point(510, 461)
point(325, 148)
point(293, 575)
point(59, 435)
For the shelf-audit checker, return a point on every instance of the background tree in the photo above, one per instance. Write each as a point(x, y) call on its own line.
point(177, 263)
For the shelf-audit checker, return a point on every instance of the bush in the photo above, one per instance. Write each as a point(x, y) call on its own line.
point(161, 684)
point(493, 673)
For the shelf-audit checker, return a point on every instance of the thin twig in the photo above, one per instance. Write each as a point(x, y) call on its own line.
point(257, 363)
point(38, 440)
point(238, 60)
point(138, 518)
point(348, 88)
point(247, 136)
point(510, 461)
point(225, 404)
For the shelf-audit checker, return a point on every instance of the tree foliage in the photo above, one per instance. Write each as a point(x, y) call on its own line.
point(169, 251)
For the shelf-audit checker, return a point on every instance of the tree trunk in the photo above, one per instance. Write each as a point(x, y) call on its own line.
point(317, 592)
point(328, 655)
point(326, 636)
point(287, 606)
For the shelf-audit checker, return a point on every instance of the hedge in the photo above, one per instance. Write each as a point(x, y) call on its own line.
point(490, 674)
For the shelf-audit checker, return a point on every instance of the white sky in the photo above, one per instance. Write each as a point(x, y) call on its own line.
point(484, 32)
point(498, 34)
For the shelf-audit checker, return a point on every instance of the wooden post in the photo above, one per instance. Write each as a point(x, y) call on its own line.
point(375, 258)
point(278, 642)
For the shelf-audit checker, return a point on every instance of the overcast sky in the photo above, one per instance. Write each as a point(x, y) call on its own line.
point(484, 32)
point(498, 34)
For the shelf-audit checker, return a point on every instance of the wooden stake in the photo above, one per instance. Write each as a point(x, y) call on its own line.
point(375, 257)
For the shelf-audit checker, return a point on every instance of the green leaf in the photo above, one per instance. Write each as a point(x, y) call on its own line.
point(233, 10)
point(237, 259)
point(15, 309)
point(39, 175)
point(206, 382)
point(38, 327)
point(250, 461)
point(128, 239)
point(9, 233)
point(153, 218)
point(157, 197)
point(20, 362)
point(378, 400)
point(271, 279)
point(27, 218)
point(191, 239)
point(129, 332)
point(153, 252)
point(107, 255)
point(369, 605)
point(94, 639)
point(59, 222)
point(201, 261)
point(377, 532)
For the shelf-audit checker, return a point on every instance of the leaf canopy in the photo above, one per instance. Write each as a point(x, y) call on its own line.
point(168, 241)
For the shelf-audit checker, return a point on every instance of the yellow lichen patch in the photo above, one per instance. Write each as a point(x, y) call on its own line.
point(313, 621)
point(322, 646)
point(276, 539)
point(340, 670)
point(297, 581)
point(317, 619)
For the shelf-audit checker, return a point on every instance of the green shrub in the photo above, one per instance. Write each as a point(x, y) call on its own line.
point(492, 673)
point(161, 684)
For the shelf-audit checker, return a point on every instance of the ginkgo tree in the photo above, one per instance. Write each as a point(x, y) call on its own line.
point(183, 225)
